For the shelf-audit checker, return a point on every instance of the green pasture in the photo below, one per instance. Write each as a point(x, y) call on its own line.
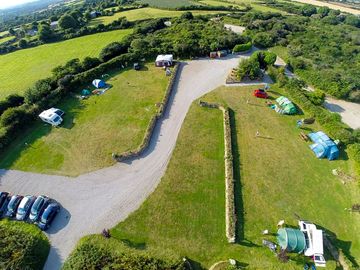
point(277, 177)
point(146, 13)
point(255, 4)
point(93, 129)
point(20, 69)
point(5, 39)
point(169, 3)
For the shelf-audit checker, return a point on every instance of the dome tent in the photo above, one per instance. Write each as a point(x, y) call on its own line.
point(99, 83)
point(323, 146)
point(285, 106)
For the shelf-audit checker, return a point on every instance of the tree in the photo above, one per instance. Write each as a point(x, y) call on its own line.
point(112, 50)
point(323, 11)
point(308, 10)
point(12, 31)
point(90, 62)
point(139, 47)
point(187, 16)
point(23, 43)
point(38, 91)
point(352, 20)
point(248, 68)
point(46, 34)
point(68, 22)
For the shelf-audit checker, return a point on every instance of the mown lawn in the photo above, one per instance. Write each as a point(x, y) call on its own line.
point(255, 4)
point(93, 129)
point(20, 69)
point(145, 13)
point(277, 176)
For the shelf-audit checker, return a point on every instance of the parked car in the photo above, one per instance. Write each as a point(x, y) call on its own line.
point(38, 207)
point(137, 66)
point(260, 93)
point(13, 205)
point(48, 215)
point(24, 207)
point(4, 200)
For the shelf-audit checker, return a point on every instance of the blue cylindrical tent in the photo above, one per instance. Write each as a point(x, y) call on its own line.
point(99, 83)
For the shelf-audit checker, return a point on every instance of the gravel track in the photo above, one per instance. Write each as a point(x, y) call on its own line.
point(101, 199)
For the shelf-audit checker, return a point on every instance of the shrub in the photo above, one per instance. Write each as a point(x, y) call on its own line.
point(23, 246)
point(14, 116)
point(90, 62)
point(13, 100)
point(113, 49)
point(242, 47)
point(248, 68)
point(317, 97)
point(264, 58)
point(39, 90)
point(263, 40)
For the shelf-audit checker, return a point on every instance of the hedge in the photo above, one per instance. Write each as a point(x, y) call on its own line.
point(154, 120)
point(230, 209)
point(242, 47)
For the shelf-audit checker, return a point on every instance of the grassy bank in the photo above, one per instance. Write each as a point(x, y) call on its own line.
point(20, 69)
point(276, 174)
point(93, 129)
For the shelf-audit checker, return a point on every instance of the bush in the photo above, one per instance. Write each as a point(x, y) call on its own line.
point(13, 100)
point(264, 58)
point(92, 255)
point(113, 49)
point(41, 89)
point(23, 246)
point(248, 68)
point(317, 97)
point(263, 40)
point(14, 117)
point(242, 47)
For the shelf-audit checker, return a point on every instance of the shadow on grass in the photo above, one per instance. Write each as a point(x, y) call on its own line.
point(239, 204)
point(134, 245)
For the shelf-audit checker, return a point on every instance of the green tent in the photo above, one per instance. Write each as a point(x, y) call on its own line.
point(292, 240)
point(85, 92)
point(285, 106)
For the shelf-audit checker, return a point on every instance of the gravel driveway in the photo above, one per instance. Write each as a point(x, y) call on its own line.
point(103, 198)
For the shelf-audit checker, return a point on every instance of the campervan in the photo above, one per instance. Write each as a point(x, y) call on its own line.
point(52, 116)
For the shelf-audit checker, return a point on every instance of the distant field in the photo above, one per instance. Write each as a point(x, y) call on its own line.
point(168, 3)
point(331, 5)
point(254, 3)
point(20, 69)
point(5, 39)
point(145, 13)
point(3, 33)
point(93, 129)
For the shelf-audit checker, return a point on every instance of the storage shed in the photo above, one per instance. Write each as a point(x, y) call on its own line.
point(292, 240)
point(164, 60)
point(323, 146)
point(99, 83)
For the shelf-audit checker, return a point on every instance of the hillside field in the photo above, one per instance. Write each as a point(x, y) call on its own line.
point(20, 69)
point(277, 176)
point(146, 13)
point(93, 129)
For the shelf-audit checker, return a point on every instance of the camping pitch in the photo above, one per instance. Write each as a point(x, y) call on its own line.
point(323, 146)
point(285, 106)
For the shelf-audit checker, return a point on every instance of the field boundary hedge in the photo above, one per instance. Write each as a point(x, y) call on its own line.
point(153, 121)
point(230, 210)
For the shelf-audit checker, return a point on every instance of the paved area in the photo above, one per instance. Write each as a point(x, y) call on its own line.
point(101, 199)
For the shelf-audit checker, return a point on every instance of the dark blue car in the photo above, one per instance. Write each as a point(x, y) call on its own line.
point(48, 215)
point(38, 207)
point(13, 205)
point(4, 199)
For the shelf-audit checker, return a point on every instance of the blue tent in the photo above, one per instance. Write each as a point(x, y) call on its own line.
point(323, 146)
point(99, 83)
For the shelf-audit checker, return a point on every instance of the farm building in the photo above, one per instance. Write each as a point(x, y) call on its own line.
point(285, 106)
point(164, 60)
point(99, 83)
point(323, 146)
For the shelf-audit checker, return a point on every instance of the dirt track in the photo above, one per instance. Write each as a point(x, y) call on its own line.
point(330, 5)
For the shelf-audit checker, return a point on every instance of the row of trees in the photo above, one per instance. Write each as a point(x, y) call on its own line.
point(251, 68)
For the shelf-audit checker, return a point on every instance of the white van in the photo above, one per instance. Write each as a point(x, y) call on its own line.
point(52, 116)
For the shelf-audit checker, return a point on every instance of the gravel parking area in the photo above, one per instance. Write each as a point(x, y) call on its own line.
point(101, 199)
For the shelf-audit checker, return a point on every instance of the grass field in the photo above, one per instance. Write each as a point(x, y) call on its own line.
point(145, 13)
point(168, 4)
point(254, 3)
point(93, 129)
point(5, 39)
point(20, 69)
point(276, 176)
